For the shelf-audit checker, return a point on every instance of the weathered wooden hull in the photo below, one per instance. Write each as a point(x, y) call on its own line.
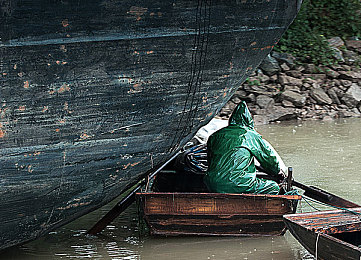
point(328, 234)
point(94, 93)
point(216, 214)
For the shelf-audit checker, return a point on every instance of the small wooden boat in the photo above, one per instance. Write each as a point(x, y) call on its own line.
point(328, 234)
point(186, 212)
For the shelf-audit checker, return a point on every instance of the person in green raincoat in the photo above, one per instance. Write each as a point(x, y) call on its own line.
point(231, 153)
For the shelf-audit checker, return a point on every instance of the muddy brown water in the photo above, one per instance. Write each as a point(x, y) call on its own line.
point(324, 154)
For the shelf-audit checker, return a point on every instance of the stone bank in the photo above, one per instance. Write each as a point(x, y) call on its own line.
point(281, 89)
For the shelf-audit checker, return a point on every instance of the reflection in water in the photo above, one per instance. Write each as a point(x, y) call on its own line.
point(325, 154)
point(221, 248)
point(125, 241)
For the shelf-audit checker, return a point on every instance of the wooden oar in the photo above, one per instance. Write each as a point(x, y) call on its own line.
point(115, 211)
point(124, 203)
point(324, 196)
point(313, 192)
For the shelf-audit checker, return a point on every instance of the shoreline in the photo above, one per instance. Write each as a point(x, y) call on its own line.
point(281, 89)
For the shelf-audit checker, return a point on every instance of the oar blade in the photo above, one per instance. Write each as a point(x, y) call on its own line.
point(328, 198)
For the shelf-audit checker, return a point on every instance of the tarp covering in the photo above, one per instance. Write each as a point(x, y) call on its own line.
point(231, 154)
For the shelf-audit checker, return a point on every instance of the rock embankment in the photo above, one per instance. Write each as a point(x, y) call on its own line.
point(280, 89)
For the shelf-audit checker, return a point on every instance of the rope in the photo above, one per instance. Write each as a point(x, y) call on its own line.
point(324, 204)
point(309, 203)
point(202, 60)
point(292, 192)
point(316, 250)
point(200, 47)
point(193, 68)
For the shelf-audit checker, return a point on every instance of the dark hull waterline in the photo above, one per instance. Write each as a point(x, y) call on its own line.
point(94, 94)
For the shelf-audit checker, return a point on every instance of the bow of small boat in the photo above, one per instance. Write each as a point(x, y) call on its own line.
point(328, 235)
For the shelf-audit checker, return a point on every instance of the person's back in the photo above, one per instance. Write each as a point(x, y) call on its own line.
point(231, 153)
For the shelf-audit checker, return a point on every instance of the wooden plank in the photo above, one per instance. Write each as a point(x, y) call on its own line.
point(329, 222)
point(195, 203)
point(235, 225)
point(215, 213)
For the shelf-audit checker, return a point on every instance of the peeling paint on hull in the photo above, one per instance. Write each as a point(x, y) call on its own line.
point(95, 93)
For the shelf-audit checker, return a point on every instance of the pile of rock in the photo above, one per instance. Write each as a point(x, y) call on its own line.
point(282, 90)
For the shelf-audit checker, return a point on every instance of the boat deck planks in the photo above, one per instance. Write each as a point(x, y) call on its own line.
point(331, 222)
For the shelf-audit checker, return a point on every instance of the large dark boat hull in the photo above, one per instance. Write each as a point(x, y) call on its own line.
point(96, 93)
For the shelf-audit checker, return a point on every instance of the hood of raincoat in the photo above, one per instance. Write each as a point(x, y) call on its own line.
point(241, 116)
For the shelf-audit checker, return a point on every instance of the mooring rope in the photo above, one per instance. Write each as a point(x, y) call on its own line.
point(316, 249)
point(309, 204)
point(199, 54)
point(202, 60)
point(295, 191)
point(324, 204)
point(193, 71)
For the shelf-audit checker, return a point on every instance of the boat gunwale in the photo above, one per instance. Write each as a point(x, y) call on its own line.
point(339, 241)
point(223, 195)
point(221, 215)
point(292, 216)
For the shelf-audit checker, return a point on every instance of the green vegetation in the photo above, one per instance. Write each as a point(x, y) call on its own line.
point(255, 82)
point(317, 21)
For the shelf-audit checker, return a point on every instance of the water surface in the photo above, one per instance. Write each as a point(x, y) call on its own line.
point(324, 154)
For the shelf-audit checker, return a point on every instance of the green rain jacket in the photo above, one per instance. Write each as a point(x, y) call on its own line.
point(231, 153)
